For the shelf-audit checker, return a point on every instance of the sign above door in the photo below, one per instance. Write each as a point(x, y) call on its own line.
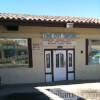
point(58, 35)
point(59, 39)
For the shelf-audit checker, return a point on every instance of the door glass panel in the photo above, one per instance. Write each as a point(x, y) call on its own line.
point(61, 60)
point(70, 60)
point(57, 60)
point(48, 60)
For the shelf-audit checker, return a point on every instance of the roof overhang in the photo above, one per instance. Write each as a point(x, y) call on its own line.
point(47, 24)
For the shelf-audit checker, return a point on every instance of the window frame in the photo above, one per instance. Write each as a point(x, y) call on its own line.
point(30, 52)
point(86, 51)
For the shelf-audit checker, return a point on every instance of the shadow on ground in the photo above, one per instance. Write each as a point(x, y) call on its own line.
point(29, 92)
point(41, 96)
point(27, 96)
point(71, 82)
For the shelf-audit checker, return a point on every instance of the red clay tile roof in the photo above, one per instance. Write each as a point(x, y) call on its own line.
point(66, 19)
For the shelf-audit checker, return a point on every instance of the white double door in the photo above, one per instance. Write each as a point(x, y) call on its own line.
point(59, 66)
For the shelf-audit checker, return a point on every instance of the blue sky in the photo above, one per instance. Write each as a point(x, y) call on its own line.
point(76, 8)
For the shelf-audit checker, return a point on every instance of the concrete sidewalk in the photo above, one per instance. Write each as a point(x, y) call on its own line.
point(41, 90)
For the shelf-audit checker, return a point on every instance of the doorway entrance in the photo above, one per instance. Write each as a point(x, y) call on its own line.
point(59, 65)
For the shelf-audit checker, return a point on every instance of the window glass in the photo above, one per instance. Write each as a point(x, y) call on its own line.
point(57, 60)
point(61, 60)
point(70, 60)
point(48, 60)
point(94, 52)
point(13, 52)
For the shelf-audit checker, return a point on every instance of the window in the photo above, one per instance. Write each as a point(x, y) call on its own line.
point(14, 52)
point(62, 60)
point(70, 60)
point(48, 60)
point(93, 52)
point(59, 60)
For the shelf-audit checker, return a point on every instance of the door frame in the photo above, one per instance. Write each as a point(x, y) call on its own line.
point(52, 65)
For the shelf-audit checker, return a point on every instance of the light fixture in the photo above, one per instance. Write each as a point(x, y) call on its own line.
point(69, 25)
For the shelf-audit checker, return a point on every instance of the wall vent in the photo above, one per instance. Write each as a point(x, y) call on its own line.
point(12, 28)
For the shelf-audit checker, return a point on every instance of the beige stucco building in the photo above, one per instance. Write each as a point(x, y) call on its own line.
point(56, 52)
